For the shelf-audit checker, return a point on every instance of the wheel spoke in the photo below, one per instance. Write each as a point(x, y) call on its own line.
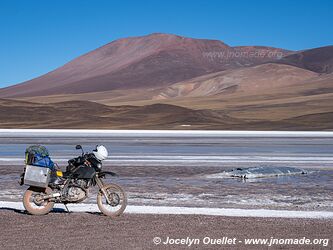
point(34, 203)
point(117, 198)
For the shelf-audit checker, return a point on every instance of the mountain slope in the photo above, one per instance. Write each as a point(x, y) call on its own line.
point(152, 61)
point(319, 60)
point(248, 80)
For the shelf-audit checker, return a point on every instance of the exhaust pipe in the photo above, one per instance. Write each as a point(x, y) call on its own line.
point(55, 195)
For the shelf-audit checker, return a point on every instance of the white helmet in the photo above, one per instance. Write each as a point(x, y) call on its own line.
point(101, 153)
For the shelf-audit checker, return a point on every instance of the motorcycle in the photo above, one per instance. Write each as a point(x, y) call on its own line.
point(72, 186)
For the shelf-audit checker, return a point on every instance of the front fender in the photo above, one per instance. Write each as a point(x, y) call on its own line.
point(104, 173)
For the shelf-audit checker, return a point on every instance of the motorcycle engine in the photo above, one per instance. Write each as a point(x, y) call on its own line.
point(76, 193)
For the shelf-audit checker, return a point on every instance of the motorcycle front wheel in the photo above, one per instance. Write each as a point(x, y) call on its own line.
point(33, 202)
point(117, 200)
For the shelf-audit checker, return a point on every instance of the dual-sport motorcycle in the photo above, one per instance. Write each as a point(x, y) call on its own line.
point(49, 185)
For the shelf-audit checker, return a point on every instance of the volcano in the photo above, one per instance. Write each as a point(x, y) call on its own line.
point(152, 61)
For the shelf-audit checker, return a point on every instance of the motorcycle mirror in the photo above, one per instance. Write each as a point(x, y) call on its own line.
point(79, 147)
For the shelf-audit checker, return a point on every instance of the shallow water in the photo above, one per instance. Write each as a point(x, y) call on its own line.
point(175, 171)
point(189, 186)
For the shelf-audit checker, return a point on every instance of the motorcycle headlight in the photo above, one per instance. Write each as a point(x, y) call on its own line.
point(99, 165)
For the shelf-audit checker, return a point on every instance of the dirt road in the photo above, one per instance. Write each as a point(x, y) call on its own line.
point(60, 230)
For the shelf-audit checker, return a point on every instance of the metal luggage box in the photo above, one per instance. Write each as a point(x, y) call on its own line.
point(37, 176)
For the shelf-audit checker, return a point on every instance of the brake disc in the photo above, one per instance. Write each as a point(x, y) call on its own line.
point(114, 199)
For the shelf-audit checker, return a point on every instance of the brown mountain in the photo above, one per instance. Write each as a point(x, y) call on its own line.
point(165, 81)
point(151, 61)
point(319, 60)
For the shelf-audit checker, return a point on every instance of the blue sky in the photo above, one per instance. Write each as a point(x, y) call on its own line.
point(37, 36)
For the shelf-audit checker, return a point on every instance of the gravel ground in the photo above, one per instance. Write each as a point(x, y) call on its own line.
point(59, 230)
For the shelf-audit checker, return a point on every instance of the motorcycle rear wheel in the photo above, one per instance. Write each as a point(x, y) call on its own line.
point(33, 204)
point(118, 199)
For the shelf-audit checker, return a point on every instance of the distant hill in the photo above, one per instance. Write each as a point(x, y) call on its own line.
point(319, 60)
point(88, 115)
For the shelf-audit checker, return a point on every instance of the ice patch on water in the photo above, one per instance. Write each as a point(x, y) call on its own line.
point(305, 201)
point(258, 172)
point(192, 210)
point(232, 200)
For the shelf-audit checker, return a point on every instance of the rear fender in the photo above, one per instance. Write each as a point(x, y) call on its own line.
point(21, 180)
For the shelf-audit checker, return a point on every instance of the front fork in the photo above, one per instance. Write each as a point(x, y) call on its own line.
point(100, 184)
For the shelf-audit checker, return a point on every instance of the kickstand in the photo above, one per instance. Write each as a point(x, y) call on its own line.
point(67, 208)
